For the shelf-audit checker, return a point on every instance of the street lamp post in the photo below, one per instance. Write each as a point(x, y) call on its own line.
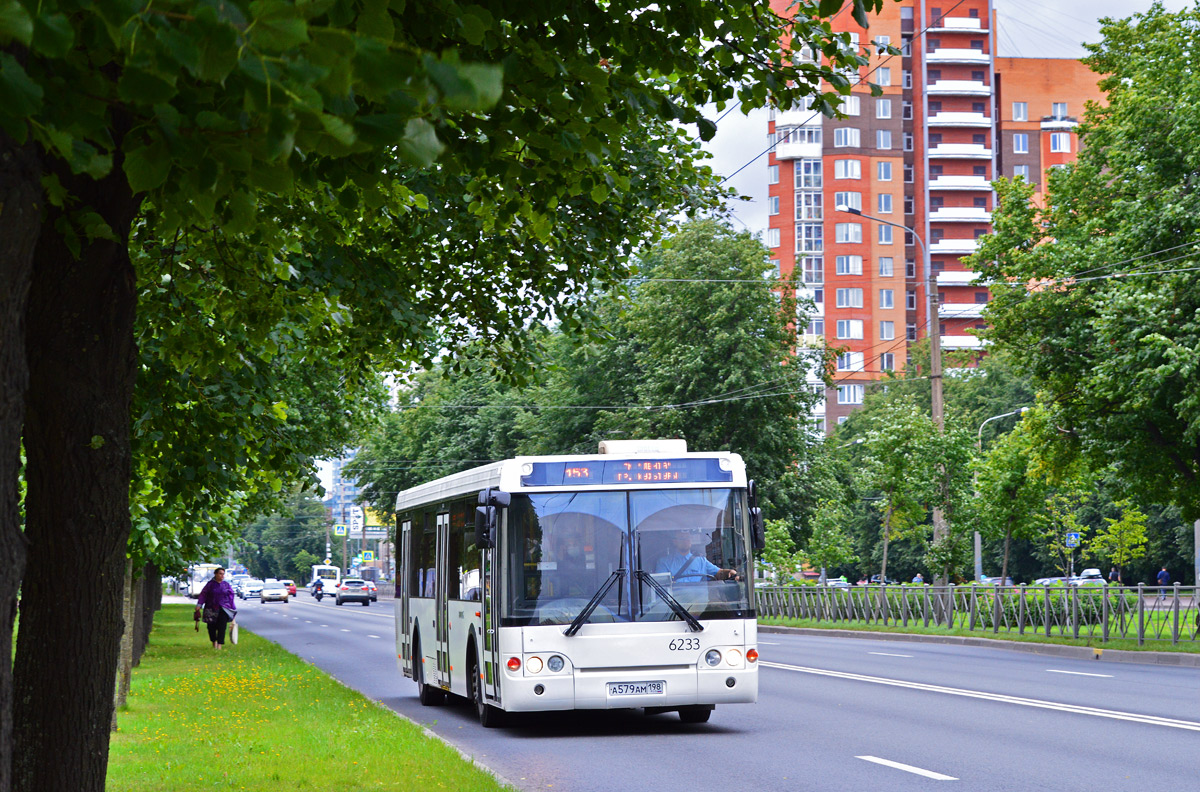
point(933, 330)
point(979, 448)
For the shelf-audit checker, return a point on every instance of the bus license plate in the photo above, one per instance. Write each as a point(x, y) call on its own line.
point(637, 688)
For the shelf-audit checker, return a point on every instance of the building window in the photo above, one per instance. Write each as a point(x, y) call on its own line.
point(885, 266)
point(850, 394)
point(1058, 110)
point(907, 78)
point(887, 331)
point(910, 269)
point(1021, 171)
point(883, 171)
point(909, 206)
point(981, 298)
point(936, 202)
point(850, 361)
point(908, 141)
point(887, 298)
point(772, 174)
point(883, 76)
point(852, 200)
point(850, 329)
point(773, 204)
point(884, 201)
point(847, 169)
point(935, 138)
point(812, 269)
point(1020, 111)
point(818, 296)
point(883, 41)
point(810, 237)
point(849, 265)
point(773, 237)
point(979, 170)
point(883, 108)
point(846, 137)
point(910, 331)
point(883, 138)
point(908, 174)
point(906, 110)
point(910, 299)
point(1060, 142)
point(887, 362)
point(808, 174)
point(935, 75)
point(977, 76)
point(848, 232)
point(808, 205)
point(815, 328)
point(774, 267)
point(851, 105)
point(885, 235)
point(979, 139)
point(1021, 143)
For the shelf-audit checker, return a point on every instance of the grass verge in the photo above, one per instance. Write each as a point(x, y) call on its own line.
point(1028, 637)
point(242, 719)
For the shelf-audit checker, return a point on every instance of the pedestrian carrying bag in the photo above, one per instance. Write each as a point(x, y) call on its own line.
point(233, 633)
point(210, 615)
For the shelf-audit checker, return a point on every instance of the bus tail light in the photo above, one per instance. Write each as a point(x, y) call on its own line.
point(752, 655)
point(514, 664)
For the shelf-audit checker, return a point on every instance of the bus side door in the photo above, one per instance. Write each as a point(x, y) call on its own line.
point(403, 623)
point(490, 595)
point(442, 602)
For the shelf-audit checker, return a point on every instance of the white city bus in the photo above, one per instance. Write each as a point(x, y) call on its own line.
point(198, 577)
point(615, 580)
point(330, 577)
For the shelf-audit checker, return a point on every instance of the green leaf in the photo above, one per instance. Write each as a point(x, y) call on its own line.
point(15, 23)
point(53, 35)
point(376, 21)
point(242, 211)
point(420, 145)
point(141, 87)
point(473, 28)
point(20, 97)
point(828, 8)
point(279, 35)
point(147, 167)
point(338, 129)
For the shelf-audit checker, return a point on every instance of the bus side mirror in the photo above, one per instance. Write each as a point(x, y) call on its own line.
point(759, 535)
point(485, 524)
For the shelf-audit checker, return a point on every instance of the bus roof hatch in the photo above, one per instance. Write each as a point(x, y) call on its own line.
point(642, 447)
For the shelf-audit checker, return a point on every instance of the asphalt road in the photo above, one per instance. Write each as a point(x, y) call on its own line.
point(832, 713)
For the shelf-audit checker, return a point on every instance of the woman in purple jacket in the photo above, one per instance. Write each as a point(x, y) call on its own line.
point(217, 595)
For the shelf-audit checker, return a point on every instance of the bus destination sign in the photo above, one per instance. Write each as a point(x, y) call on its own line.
point(625, 471)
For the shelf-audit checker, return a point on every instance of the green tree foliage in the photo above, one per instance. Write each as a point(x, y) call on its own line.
point(272, 544)
point(829, 545)
point(779, 553)
point(1095, 297)
point(1123, 539)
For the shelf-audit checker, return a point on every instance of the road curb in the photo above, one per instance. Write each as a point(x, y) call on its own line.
point(1181, 659)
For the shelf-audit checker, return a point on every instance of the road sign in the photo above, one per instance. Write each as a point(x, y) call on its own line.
point(356, 518)
point(1073, 539)
point(339, 530)
point(368, 555)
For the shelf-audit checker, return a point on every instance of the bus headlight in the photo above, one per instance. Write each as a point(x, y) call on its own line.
point(555, 663)
point(533, 665)
point(733, 657)
point(713, 657)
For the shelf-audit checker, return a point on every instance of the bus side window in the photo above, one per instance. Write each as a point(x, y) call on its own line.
point(422, 572)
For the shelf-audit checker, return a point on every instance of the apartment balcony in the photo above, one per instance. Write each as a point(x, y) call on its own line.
point(960, 214)
point(953, 55)
point(971, 151)
point(959, 88)
point(960, 120)
point(953, 247)
point(958, 278)
point(961, 342)
point(791, 151)
point(800, 116)
point(961, 310)
point(959, 183)
point(958, 25)
point(1051, 124)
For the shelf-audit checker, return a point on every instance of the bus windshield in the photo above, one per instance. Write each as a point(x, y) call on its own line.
point(564, 547)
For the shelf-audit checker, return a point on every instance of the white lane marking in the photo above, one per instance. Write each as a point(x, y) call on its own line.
point(1152, 720)
point(1077, 673)
point(907, 768)
point(888, 654)
point(308, 621)
point(770, 643)
point(372, 636)
point(345, 630)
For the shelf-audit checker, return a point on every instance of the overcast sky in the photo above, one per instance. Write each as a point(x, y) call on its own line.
point(1027, 28)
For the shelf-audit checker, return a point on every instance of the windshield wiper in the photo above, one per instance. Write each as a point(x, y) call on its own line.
point(672, 603)
point(588, 609)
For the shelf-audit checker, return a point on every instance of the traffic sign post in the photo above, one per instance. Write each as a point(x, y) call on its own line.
point(1073, 539)
point(368, 555)
point(339, 530)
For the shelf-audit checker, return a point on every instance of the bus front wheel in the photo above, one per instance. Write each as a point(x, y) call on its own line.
point(490, 717)
point(695, 714)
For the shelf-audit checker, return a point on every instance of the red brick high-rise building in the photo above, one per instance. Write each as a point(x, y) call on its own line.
point(953, 116)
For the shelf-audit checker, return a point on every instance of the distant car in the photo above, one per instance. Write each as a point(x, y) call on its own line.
point(373, 589)
point(251, 588)
point(992, 581)
point(290, 585)
point(888, 581)
point(353, 590)
point(1089, 577)
point(273, 591)
point(1051, 581)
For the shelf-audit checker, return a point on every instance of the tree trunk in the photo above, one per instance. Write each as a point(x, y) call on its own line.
point(20, 219)
point(125, 653)
point(887, 530)
point(82, 365)
point(148, 604)
point(1007, 544)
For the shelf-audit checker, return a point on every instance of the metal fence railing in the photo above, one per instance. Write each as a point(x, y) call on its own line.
point(1096, 613)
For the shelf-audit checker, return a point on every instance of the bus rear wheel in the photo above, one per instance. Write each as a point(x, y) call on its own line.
point(695, 714)
point(490, 717)
point(428, 695)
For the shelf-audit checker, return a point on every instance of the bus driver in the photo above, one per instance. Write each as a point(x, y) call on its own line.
point(684, 566)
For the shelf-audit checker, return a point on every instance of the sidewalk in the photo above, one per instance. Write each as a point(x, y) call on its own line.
point(1184, 659)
